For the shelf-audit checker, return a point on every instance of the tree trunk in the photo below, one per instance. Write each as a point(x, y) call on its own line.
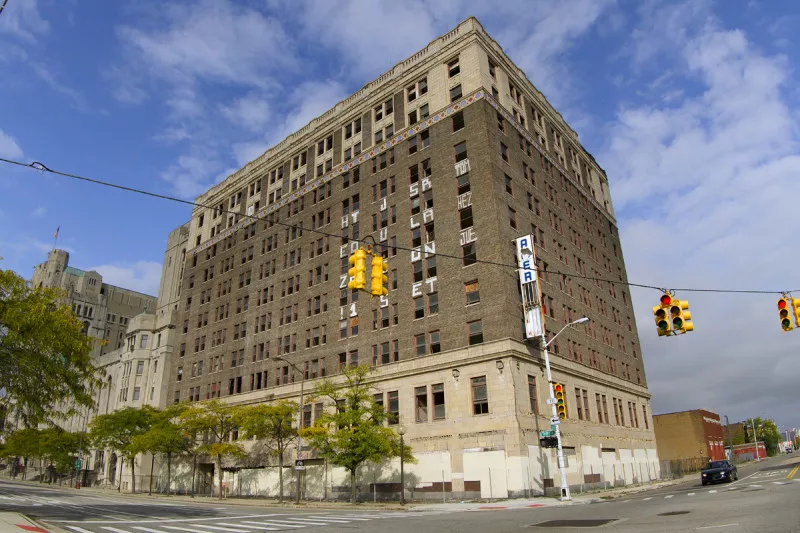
point(194, 470)
point(24, 468)
point(219, 460)
point(152, 464)
point(353, 486)
point(169, 472)
point(133, 475)
point(41, 470)
point(280, 477)
point(121, 463)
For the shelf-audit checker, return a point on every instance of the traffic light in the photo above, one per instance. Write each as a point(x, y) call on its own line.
point(680, 315)
point(358, 272)
point(785, 308)
point(548, 442)
point(379, 279)
point(561, 400)
point(796, 308)
point(660, 313)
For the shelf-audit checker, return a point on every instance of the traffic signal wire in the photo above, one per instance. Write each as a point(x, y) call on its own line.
point(271, 218)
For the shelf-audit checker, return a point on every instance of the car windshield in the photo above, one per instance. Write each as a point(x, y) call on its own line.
point(717, 464)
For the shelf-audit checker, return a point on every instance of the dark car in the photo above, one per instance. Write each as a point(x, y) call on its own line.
point(719, 471)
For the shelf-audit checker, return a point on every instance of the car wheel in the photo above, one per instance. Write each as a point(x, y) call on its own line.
point(736, 476)
point(704, 483)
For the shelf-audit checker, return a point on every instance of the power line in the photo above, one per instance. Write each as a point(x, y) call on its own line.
point(271, 218)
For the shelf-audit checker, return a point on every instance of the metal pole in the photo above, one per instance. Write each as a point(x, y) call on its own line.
point(444, 495)
point(730, 442)
point(564, 486)
point(755, 438)
point(299, 425)
point(402, 471)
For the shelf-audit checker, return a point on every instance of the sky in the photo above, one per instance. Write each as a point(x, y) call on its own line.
point(690, 106)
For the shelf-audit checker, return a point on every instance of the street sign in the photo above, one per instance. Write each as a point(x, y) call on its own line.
point(78, 464)
point(555, 421)
point(552, 401)
point(299, 464)
point(547, 433)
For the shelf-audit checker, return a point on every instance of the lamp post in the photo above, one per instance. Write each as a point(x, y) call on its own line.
point(561, 466)
point(299, 425)
point(402, 431)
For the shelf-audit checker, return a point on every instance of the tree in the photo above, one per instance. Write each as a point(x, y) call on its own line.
point(218, 422)
point(61, 448)
point(766, 432)
point(164, 437)
point(45, 366)
point(273, 425)
point(353, 432)
point(117, 431)
point(23, 443)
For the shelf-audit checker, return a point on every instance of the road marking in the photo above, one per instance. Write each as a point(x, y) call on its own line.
point(690, 494)
point(159, 521)
point(712, 491)
point(79, 529)
point(793, 472)
point(280, 524)
point(721, 525)
point(149, 530)
point(190, 530)
point(746, 477)
point(668, 497)
point(648, 499)
point(242, 529)
point(115, 530)
point(337, 517)
point(312, 522)
point(755, 486)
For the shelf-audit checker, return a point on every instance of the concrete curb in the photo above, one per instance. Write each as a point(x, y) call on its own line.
point(17, 523)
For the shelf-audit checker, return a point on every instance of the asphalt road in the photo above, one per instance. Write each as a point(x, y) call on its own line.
point(764, 500)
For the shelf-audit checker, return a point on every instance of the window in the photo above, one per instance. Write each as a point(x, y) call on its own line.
point(472, 292)
point(136, 392)
point(417, 89)
point(509, 184)
point(453, 68)
point(419, 342)
point(421, 404)
point(512, 218)
point(455, 93)
point(458, 121)
point(139, 368)
point(436, 345)
point(475, 330)
point(461, 151)
point(504, 151)
point(437, 391)
point(532, 394)
point(469, 252)
point(480, 397)
point(599, 406)
point(393, 407)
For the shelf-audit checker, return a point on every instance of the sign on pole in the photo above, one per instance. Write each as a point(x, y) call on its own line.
point(300, 464)
point(528, 282)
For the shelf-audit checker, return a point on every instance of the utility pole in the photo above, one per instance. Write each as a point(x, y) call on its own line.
point(555, 420)
point(299, 426)
point(730, 441)
point(755, 439)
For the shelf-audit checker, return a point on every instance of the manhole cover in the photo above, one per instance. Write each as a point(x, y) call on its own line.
point(576, 523)
point(673, 513)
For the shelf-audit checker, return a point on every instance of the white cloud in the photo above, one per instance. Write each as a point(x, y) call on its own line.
point(190, 175)
point(251, 112)
point(22, 19)
point(698, 182)
point(141, 276)
point(9, 147)
point(39, 212)
point(173, 135)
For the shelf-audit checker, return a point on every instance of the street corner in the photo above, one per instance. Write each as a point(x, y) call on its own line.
point(17, 523)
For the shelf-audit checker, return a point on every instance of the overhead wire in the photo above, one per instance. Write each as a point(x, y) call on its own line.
point(36, 165)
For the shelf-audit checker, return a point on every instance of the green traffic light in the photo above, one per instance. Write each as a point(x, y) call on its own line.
point(560, 402)
point(678, 323)
point(786, 323)
point(662, 325)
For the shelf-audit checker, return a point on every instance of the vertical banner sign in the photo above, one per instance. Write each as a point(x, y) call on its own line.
point(528, 282)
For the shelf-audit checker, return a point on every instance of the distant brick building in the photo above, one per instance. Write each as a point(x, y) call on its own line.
point(689, 434)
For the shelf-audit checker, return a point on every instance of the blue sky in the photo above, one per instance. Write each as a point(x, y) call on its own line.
point(691, 107)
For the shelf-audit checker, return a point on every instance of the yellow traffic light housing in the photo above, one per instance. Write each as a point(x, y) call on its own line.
point(681, 316)
point(561, 400)
point(796, 310)
point(785, 309)
point(661, 315)
point(379, 278)
point(358, 273)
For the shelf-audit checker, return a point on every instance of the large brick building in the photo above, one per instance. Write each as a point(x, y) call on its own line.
point(696, 434)
point(443, 161)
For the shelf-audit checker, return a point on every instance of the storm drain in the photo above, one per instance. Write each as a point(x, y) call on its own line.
point(673, 513)
point(575, 523)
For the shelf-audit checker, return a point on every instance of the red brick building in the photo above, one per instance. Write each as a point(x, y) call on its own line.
point(689, 434)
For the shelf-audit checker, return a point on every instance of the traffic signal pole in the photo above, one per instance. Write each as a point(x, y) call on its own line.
point(565, 496)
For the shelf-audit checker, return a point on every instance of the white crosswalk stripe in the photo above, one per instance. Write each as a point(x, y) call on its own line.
point(270, 524)
point(668, 496)
point(79, 529)
point(712, 491)
point(179, 528)
point(690, 494)
point(648, 499)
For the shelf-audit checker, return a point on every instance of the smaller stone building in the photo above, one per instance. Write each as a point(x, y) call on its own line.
point(695, 434)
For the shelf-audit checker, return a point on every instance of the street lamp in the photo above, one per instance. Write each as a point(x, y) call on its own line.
point(402, 431)
point(299, 425)
point(561, 463)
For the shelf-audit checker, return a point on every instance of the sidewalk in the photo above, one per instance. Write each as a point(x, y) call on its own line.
point(482, 505)
point(16, 523)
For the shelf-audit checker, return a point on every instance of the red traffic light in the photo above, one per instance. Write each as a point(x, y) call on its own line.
point(558, 387)
point(666, 299)
point(782, 303)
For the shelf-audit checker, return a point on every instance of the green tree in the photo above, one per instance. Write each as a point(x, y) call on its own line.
point(62, 448)
point(45, 366)
point(353, 431)
point(165, 437)
point(117, 430)
point(218, 422)
point(23, 443)
point(766, 432)
point(272, 424)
